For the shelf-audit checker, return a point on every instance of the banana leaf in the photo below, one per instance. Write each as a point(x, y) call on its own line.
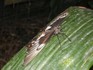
point(62, 53)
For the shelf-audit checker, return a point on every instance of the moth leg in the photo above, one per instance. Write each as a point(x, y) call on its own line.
point(58, 39)
point(62, 32)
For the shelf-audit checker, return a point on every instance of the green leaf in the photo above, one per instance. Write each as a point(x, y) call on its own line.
point(76, 54)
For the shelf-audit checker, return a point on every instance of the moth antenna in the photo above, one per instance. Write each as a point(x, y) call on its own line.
point(58, 39)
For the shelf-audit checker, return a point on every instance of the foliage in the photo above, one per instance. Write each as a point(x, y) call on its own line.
point(76, 54)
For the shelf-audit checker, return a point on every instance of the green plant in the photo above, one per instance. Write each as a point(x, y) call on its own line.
point(76, 54)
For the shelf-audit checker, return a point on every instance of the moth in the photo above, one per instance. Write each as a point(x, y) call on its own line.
point(37, 44)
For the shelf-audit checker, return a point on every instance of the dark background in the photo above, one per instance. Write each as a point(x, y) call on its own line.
point(21, 20)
